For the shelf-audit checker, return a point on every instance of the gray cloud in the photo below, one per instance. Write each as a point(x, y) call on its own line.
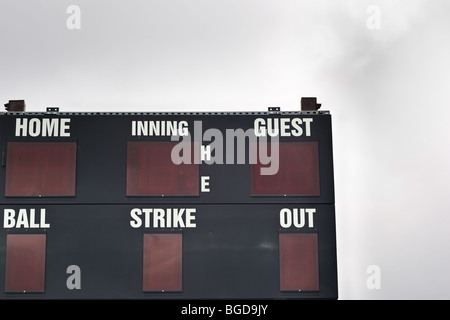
point(386, 88)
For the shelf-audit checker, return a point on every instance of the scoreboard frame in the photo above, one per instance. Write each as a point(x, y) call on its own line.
point(106, 218)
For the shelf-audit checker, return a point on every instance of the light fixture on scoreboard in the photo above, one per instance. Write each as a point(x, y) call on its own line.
point(310, 104)
point(15, 106)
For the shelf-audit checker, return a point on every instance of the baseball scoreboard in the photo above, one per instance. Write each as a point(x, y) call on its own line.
point(199, 205)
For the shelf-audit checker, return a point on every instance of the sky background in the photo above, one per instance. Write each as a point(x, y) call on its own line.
point(381, 67)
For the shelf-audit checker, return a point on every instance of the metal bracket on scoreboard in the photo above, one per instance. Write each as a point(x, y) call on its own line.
point(53, 110)
point(274, 110)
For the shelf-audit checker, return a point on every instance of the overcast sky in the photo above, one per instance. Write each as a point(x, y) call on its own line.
point(380, 66)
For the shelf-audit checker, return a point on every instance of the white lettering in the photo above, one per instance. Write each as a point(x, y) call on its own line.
point(143, 128)
point(285, 132)
point(46, 127)
point(147, 217)
point(133, 128)
point(189, 310)
point(33, 224)
point(8, 218)
point(307, 122)
point(284, 127)
point(260, 130)
point(136, 221)
point(216, 145)
point(49, 127)
point(285, 218)
point(159, 128)
point(297, 217)
point(24, 219)
point(297, 130)
point(65, 126)
point(163, 218)
point(190, 218)
point(34, 128)
point(205, 184)
point(177, 218)
point(244, 309)
point(183, 128)
point(21, 127)
point(158, 218)
point(205, 153)
point(310, 213)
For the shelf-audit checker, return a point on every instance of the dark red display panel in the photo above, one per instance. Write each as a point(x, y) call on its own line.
point(162, 262)
point(151, 171)
point(299, 262)
point(44, 169)
point(298, 171)
point(25, 263)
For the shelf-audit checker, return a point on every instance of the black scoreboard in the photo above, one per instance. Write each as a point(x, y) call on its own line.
point(224, 205)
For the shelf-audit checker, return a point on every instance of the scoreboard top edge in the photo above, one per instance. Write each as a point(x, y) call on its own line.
point(218, 113)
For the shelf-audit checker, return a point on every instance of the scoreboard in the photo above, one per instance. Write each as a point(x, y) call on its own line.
point(223, 205)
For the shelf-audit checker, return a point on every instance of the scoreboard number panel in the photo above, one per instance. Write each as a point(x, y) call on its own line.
point(162, 270)
point(25, 263)
point(167, 206)
point(151, 171)
point(298, 172)
point(40, 169)
point(299, 262)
